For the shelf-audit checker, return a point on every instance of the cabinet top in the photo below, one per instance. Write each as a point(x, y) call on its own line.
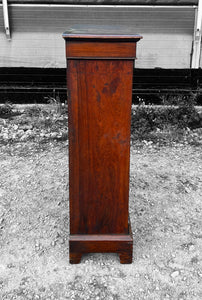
point(101, 32)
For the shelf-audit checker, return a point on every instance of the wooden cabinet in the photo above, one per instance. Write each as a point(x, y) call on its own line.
point(100, 66)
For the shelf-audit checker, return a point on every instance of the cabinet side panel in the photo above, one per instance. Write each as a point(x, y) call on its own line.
point(73, 131)
point(99, 137)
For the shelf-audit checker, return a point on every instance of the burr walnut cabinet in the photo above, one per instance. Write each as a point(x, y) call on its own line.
point(100, 63)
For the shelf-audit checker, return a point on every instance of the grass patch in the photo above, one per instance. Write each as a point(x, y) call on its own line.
point(166, 124)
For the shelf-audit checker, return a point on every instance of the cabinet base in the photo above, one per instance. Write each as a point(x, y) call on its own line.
point(101, 243)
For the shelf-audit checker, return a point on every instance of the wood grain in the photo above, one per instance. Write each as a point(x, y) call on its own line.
point(102, 244)
point(99, 145)
point(99, 49)
point(99, 108)
point(92, 243)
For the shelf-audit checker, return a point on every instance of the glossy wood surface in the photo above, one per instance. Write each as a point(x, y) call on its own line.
point(101, 49)
point(99, 145)
point(100, 245)
point(118, 32)
point(99, 81)
point(118, 243)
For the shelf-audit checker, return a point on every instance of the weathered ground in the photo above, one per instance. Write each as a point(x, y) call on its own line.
point(166, 216)
point(165, 211)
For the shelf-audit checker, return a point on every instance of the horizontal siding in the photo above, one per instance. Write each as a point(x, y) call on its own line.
point(37, 34)
point(109, 2)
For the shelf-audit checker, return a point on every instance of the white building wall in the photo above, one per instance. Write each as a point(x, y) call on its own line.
point(36, 33)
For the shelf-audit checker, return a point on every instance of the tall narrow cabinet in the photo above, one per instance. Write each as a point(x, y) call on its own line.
point(100, 64)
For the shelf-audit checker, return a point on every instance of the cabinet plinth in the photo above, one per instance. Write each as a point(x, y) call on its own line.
point(99, 82)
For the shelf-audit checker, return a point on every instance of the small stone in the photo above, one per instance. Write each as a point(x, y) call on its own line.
point(55, 269)
point(20, 132)
point(175, 274)
point(23, 137)
point(5, 136)
point(37, 245)
point(10, 266)
point(53, 243)
point(13, 136)
point(62, 241)
point(29, 131)
point(54, 135)
point(191, 248)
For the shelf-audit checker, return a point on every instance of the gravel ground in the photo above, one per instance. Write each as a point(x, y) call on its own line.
point(166, 217)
